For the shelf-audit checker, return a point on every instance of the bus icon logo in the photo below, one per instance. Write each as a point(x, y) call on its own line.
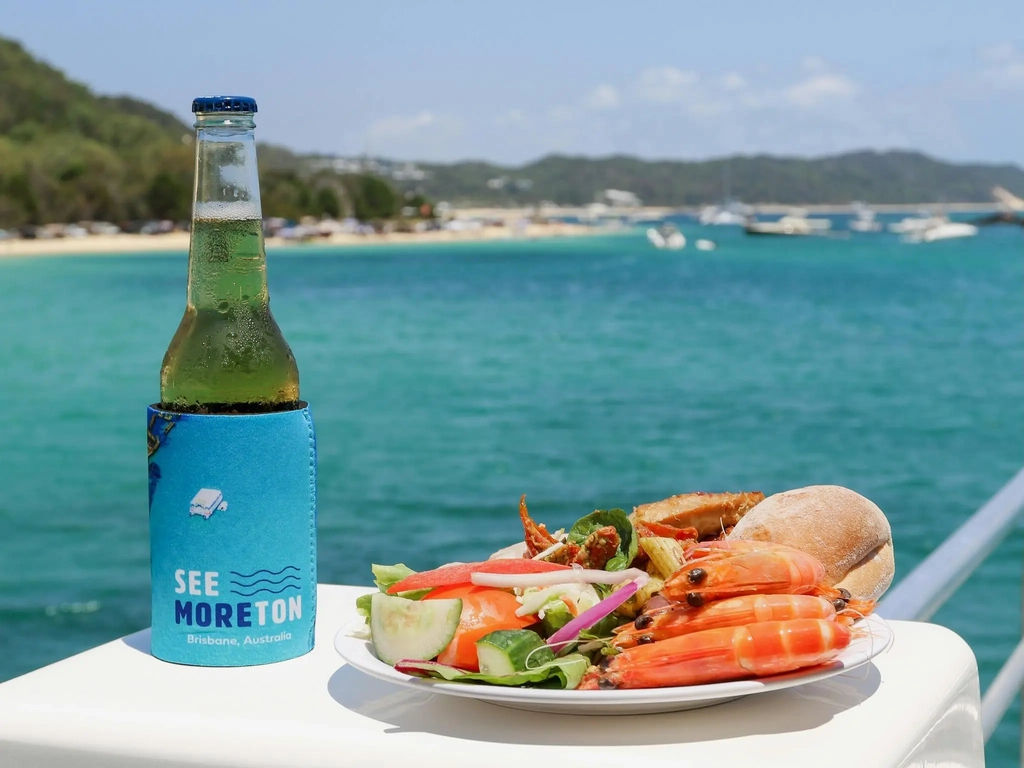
point(206, 502)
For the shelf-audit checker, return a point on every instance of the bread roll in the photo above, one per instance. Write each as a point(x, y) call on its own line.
point(848, 533)
point(709, 513)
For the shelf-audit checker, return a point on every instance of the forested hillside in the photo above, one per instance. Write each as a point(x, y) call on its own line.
point(67, 154)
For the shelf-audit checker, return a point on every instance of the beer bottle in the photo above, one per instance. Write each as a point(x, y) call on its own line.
point(228, 355)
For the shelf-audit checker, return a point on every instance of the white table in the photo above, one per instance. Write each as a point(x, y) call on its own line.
point(116, 706)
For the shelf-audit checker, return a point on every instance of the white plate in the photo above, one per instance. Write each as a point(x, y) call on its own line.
point(359, 654)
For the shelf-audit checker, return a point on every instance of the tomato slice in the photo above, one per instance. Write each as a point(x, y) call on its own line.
point(484, 610)
point(452, 575)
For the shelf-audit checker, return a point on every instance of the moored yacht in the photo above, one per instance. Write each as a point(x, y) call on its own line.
point(941, 228)
point(731, 214)
point(794, 224)
point(917, 223)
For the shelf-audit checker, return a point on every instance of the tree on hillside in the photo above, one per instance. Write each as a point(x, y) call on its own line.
point(327, 202)
point(373, 198)
point(67, 154)
point(168, 198)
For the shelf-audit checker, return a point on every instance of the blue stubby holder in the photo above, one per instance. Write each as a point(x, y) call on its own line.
point(232, 521)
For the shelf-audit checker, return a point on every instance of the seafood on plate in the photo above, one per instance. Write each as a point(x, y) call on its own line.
point(660, 597)
point(678, 619)
point(722, 655)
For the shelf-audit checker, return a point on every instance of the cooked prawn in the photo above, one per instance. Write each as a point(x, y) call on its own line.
point(735, 565)
point(730, 574)
point(680, 619)
point(724, 654)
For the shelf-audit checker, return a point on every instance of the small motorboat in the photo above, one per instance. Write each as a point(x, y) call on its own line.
point(912, 224)
point(865, 219)
point(794, 224)
point(667, 237)
point(941, 229)
point(733, 214)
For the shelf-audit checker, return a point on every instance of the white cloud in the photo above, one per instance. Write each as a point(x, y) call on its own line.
point(757, 99)
point(813, 64)
point(732, 81)
point(511, 117)
point(561, 114)
point(1005, 66)
point(405, 126)
point(999, 52)
point(423, 135)
point(818, 108)
point(820, 89)
point(709, 108)
point(664, 85)
point(603, 97)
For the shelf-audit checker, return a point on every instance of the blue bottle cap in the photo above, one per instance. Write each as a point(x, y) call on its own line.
point(215, 104)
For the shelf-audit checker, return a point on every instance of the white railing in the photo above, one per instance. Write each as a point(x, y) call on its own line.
point(918, 596)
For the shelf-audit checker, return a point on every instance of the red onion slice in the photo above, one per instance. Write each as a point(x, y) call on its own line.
point(591, 616)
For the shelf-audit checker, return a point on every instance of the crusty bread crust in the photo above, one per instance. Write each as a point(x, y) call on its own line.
point(869, 578)
point(845, 531)
point(709, 513)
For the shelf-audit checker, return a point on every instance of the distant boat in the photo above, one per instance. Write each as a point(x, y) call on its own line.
point(794, 224)
point(706, 245)
point(717, 216)
point(865, 221)
point(1007, 199)
point(666, 237)
point(919, 223)
point(943, 229)
point(731, 212)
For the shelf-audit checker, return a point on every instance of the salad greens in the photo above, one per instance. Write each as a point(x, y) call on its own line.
point(551, 604)
point(564, 672)
point(384, 577)
point(538, 624)
point(628, 544)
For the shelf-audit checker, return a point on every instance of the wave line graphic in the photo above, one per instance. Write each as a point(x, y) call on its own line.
point(266, 579)
point(271, 591)
point(264, 570)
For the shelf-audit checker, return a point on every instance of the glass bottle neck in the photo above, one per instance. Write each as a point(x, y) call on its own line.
point(227, 257)
point(227, 182)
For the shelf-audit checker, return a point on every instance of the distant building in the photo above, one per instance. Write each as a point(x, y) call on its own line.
point(408, 172)
point(398, 172)
point(619, 198)
point(337, 164)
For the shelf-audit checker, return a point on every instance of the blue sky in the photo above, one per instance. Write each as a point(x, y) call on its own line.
point(511, 81)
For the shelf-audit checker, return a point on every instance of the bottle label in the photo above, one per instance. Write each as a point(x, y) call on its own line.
point(232, 521)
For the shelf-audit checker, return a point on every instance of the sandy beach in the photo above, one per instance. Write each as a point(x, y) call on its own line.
point(505, 225)
point(179, 241)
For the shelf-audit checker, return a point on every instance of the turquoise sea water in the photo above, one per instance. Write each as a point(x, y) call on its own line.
point(447, 380)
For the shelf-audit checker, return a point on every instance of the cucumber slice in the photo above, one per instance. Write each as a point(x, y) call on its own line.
point(411, 629)
point(508, 651)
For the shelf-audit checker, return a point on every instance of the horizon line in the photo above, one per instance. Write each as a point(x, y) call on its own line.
point(720, 158)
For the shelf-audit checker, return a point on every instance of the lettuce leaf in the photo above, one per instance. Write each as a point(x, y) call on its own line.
point(562, 673)
point(628, 545)
point(384, 577)
point(603, 629)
